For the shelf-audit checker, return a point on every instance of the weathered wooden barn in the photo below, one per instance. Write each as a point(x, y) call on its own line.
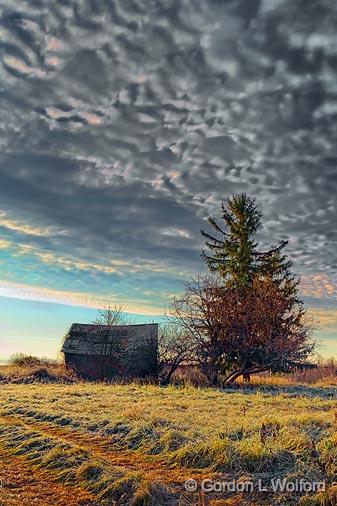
point(112, 351)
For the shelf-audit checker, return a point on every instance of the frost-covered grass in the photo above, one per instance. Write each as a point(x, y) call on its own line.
point(167, 434)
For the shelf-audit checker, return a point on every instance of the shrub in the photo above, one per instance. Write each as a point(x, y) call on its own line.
point(22, 360)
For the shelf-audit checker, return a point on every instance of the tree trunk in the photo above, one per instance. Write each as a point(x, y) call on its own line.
point(172, 368)
point(166, 380)
point(213, 377)
point(211, 373)
point(231, 377)
point(246, 373)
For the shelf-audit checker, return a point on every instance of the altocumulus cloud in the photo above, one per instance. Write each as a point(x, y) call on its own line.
point(125, 123)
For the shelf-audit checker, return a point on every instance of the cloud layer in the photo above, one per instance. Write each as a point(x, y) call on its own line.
point(125, 123)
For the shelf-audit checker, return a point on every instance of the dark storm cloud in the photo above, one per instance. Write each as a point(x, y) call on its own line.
point(125, 123)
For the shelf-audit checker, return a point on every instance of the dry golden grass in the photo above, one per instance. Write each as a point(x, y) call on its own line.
point(325, 374)
point(51, 373)
point(134, 444)
point(134, 412)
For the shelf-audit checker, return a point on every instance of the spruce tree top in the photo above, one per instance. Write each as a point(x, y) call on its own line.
point(234, 252)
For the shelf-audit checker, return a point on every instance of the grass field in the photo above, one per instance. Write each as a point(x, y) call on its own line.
point(97, 444)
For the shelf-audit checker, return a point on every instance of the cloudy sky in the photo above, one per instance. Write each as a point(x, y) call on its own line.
point(125, 123)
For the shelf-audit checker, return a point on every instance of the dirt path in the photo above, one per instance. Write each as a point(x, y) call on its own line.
point(23, 485)
point(27, 486)
point(100, 447)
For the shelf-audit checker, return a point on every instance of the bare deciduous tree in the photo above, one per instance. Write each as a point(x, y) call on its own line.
point(110, 349)
point(112, 315)
point(270, 330)
point(200, 313)
point(176, 348)
point(243, 331)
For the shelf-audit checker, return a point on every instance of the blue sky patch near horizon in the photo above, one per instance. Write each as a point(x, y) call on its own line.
point(37, 328)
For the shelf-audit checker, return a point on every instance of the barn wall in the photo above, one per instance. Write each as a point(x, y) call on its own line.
point(140, 362)
point(88, 367)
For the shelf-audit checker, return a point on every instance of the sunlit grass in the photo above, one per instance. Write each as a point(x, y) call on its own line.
point(287, 433)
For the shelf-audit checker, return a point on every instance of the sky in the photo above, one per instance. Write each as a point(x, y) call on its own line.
point(124, 124)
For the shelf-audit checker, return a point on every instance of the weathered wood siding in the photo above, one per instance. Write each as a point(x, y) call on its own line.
point(102, 351)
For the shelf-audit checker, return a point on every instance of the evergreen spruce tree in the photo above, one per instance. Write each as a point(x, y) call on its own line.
point(235, 254)
point(270, 329)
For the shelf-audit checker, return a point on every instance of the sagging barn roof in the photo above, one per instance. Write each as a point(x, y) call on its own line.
point(97, 340)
